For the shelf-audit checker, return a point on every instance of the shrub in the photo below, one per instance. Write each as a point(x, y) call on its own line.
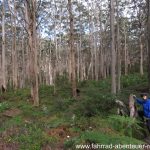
point(4, 106)
point(32, 137)
point(16, 121)
point(103, 140)
point(62, 104)
point(125, 125)
point(132, 80)
point(95, 103)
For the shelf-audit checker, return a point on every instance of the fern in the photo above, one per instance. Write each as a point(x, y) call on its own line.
point(125, 125)
point(95, 137)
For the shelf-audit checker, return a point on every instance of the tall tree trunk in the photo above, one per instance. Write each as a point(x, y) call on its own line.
point(79, 69)
point(118, 52)
point(27, 45)
point(125, 52)
point(90, 27)
point(72, 50)
point(31, 10)
point(3, 84)
point(50, 68)
point(78, 62)
point(101, 50)
point(141, 56)
point(113, 53)
point(14, 53)
point(148, 38)
point(23, 62)
point(96, 66)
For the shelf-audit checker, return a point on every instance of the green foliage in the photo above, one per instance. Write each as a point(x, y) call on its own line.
point(96, 103)
point(4, 106)
point(45, 92)
point(56, 121)
point(132, 80)
point(125, 125)
point(86, 117)
point(33, 137)
point(62, 80)
point(15, 121)
point(100, 85)
point(96, 98)
point(62, 104)
point(97, 137)
point(100, 138)
point(71, 143)
point(29, 110)
point(19, 95)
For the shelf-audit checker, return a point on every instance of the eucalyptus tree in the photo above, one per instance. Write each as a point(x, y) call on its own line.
point(3, 80)
point(118, 48)
point(72, 50)
point(148, 37)
point(113, 52)
point(32, 33)
point(12, 7)
point(139, 26)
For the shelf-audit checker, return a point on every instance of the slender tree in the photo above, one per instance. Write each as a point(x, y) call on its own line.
point(14, 52)
point(118, 49)
point(3, 49)
point(113, 52)
point(32, 33)
point(141, 55)
point(148, 38)
point(72, 50)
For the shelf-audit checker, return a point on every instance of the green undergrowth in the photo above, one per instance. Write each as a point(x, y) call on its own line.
point(4, 106)
point(11, 122)
point(101, 140)
point(89, 118)
point(133, 80)
point(34, 138)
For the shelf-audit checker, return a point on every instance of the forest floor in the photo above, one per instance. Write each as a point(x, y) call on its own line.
point(61, 122)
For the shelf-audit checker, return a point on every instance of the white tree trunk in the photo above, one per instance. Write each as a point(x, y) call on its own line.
point(3, 86)
point(141, 56)
point(113, 53)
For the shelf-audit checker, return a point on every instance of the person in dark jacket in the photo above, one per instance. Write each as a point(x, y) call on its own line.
point(145, 102)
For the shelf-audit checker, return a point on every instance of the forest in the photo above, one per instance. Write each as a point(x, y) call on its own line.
point(72, 73)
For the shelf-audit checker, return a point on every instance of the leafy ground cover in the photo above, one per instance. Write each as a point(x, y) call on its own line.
point(62, 122)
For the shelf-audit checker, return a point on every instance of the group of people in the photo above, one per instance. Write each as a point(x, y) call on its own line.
point(145, 113)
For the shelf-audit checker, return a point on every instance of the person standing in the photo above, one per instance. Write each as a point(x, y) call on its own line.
point(145, 113)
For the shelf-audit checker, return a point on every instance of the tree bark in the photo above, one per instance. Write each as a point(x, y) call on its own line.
point(14, 52)
point(23, 62)
point(125, 52)
point(113, 53)
point(141, 56)
point(118, 52)
point(148, 38)
point(33, 51)
point(3, 84)
point(72, 51)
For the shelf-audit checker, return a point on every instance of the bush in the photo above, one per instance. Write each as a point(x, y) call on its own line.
point(125, 125)
point(4, 106)
point(32, 137)
point(132, 80)
point(101, 85)
point(93, 137)
point(95, 103)
point(16, 121)
point(97, 137)
point(62, 104)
